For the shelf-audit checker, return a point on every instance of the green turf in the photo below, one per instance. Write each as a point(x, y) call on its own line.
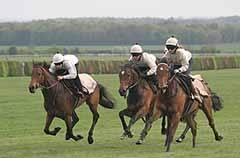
point(23, 117)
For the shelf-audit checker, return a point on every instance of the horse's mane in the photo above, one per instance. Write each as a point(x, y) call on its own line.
point(139, 67)
point(44, 64)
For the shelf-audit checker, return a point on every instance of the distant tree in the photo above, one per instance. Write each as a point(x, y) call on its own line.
point(65, 51)
point(13, 50)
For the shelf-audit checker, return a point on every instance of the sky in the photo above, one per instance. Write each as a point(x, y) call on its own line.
point(22, 10)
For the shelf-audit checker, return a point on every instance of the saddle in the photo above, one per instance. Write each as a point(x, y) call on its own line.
point(88, 84)
point(200, 85)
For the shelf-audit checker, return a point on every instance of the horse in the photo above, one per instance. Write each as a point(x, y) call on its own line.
point(60, 102)
point(173, 102)
point(140, 98)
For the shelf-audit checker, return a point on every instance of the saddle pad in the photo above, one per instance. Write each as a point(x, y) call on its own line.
point(88, 82)
point(198, 76)
point(198, 85)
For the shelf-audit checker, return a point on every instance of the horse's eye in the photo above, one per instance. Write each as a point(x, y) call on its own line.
point(39, 74)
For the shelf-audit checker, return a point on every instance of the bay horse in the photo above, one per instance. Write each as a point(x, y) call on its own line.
point(59, 101)
point(140, 98)
point(171, 101)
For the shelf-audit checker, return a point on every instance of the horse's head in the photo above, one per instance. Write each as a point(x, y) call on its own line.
point(163, 75)
point(128, 76)
point(37, 78)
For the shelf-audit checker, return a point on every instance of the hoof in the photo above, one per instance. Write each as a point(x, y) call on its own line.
point(126, 135)
point(123, 136)
point(56, 130)
point(129, 134)
point(90, 140)
point(79, 136)
point(67, 137)
point(219, 138)
point(179, 140)
point(164, 131)
point(139, 142)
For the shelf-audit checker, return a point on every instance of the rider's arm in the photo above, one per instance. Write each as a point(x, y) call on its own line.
point(130, 58)
point(52, 68)
point(71, 70)
point(150, 60)
point(185, 57)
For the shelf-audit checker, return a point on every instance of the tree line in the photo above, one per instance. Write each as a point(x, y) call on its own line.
point(120, 31)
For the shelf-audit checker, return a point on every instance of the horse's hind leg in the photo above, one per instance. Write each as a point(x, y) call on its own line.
point(208, 112)
point(49, 119)
point(182, 136)
point(95, 114)
point(75, 119)
point(193, 125)
point(69, 134)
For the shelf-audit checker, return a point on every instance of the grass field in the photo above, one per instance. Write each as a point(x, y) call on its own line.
point(23, 117)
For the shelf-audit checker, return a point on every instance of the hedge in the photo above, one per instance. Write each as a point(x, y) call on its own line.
point(17, 68)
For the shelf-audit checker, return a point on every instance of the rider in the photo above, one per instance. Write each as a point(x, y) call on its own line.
point(138, 55)
point(65, 67)
point(181, 61)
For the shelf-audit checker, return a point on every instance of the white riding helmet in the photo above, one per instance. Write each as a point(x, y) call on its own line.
point(136, 49)
point(172, 41)
point(57, 58)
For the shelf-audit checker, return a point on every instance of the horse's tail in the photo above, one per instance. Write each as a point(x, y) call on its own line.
point(106, 99)
point(216, 102)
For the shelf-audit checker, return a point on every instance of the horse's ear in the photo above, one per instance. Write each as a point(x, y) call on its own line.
point(163, 60)
point(45, 65)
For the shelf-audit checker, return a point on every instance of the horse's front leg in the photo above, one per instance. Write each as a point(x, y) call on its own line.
point(163, 130)
point(152, 117)
point(49, 119)
point(140, 114)
point(69, 133)
point(127, 132)
point(173, 121)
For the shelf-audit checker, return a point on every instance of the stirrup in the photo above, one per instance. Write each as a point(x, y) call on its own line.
point(196, 97)
point(192, 97)
point(80, 94)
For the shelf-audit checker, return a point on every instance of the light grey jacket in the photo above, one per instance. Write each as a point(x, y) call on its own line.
point(69, 62)
point(150, 60)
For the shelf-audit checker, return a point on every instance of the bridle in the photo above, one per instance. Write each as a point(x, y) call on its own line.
point(170, 79)
point(134, 83)
point(51, 85)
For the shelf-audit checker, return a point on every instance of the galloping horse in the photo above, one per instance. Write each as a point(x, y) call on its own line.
point(171, 101)
point(140, 98)
point(60, 102)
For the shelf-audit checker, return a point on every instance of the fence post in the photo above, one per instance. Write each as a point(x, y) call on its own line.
point(23, 68)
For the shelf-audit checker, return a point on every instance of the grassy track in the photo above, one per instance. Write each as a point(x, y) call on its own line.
point(23, 117)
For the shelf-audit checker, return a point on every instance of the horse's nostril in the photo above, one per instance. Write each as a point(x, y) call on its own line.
point(31, 89)
point(122, 92)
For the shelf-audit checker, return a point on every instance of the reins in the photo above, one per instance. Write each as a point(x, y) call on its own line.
point(51, 86)
point(170, 80)
point(134, 84)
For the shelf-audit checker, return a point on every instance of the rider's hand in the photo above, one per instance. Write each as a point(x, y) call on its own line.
point(59, 78)
point(143, 75)
point(176, 71)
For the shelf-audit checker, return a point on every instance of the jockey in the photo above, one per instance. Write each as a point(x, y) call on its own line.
point(66, 68)
point(181, 61)
point(138, 55)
